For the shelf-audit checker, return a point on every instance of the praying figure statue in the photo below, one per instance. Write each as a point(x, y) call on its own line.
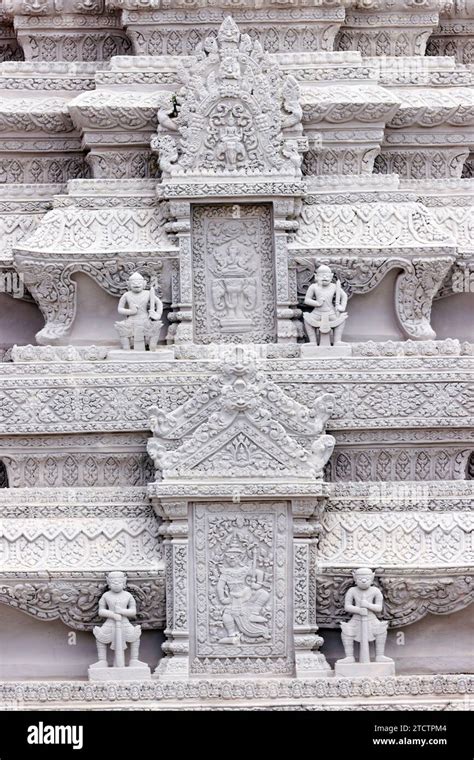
point(363, 601)
point(142, 309)
point(117, 605)
point(329, 302)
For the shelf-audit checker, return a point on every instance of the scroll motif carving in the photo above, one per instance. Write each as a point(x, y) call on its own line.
point(414, 293)
point(75, 601)
point(407, 597)
point(53, 288)
point(415, 288)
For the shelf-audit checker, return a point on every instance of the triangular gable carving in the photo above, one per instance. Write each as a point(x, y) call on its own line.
point(240, 426)
point(234, 115)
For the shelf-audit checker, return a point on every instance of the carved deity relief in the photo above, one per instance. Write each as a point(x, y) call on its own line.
point(240, 571)
point(233, 274)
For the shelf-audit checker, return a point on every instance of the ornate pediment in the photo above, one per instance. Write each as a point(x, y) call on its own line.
point(241, 426)
point(234, 115)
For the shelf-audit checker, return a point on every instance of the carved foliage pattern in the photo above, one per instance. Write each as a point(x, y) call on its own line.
point(32, 544)
point(85, 469)
point(76, 602)
point(397, 539)
point(398, 464)
point(90, 46)
point(407, 598)
point(278, 38)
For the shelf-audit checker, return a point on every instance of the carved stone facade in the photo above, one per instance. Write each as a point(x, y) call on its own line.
point(225, 152)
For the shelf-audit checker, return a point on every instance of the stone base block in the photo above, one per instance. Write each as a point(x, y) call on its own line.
point(312, 665)
point(364, 669)
point(160, 355)
point(172, 668)
point(311, 351)
point(134, 673)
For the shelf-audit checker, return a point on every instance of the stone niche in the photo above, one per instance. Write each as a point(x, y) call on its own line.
point(231, 543)
point(239, 488)
point(233, 273)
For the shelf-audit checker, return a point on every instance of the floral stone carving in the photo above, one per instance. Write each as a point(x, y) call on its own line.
point(241, 425)
point(234, 115)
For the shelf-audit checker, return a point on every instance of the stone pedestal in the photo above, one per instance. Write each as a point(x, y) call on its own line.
point(311, 351)
point(160, 355)
point(140, 672)
point(364, 669)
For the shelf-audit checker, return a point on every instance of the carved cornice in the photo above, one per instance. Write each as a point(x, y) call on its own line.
point(116, 110)
point(380, 224)
point(48, 115)
point(401, 496)
point(337, 105)
point(70, 232)
point(40, 502)
point(411, 541)
point(370, 392)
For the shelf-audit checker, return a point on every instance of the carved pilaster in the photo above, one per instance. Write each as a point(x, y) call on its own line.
point(309, 661)
point(181, 316)
point(175, 534)
point(289, 327)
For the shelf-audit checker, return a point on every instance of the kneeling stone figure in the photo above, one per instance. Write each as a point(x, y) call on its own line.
point(118, 606)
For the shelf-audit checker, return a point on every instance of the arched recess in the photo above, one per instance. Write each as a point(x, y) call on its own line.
point(470, 467)
point(19, 321)
point(448, 316)
point(3, 475)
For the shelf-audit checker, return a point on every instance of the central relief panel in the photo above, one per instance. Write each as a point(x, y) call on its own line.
point(239, 588)
point(233, 274)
